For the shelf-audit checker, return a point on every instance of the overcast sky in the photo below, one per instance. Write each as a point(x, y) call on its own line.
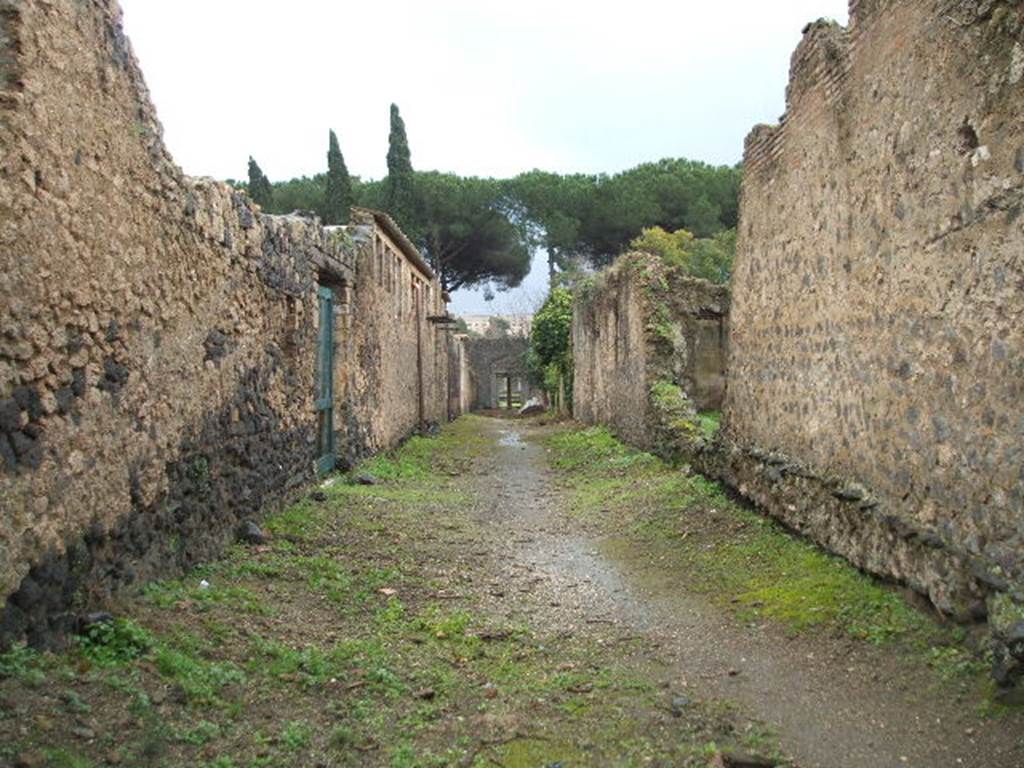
point(485, 88)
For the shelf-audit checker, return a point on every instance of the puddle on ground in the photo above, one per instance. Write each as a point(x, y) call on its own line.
point(511, 439)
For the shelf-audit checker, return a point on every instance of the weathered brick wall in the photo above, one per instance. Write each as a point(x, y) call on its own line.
point(158, 335)
point(875, 392)
point(649, 350)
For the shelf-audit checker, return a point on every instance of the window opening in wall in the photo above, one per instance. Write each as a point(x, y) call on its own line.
point(509, 391)
point(325, 384)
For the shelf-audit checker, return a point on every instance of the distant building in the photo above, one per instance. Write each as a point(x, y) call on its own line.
point(498, 325)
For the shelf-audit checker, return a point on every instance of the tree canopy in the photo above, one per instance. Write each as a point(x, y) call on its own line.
point(260, 189)
point(465, 234)
point(400, 182)
point(709, 257)
point(338, 193)
point(550, 355)
point(480, 231)
point(593, 218)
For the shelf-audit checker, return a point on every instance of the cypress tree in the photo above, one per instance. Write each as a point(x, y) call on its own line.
point(339, 186)
point(260, 189)
point(400, 175)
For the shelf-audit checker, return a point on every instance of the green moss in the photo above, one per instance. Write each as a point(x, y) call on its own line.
point(1004, 612)
point(710, 422)
point(677, 429)
point(586, 289)
point(659, 324)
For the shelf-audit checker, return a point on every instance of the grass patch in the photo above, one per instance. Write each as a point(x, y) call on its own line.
point(410, 463)
point(301, 522)
point(23, 664)
point(201, 681)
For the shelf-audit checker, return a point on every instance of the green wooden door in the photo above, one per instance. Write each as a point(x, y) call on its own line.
point(325, 383)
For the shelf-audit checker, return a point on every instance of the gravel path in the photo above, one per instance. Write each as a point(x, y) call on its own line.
point(836, 703)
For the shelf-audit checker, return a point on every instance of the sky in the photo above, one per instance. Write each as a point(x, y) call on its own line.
point(485, 88)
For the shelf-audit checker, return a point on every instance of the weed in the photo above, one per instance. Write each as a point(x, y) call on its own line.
point(953, 663)
point(413, 461)
point(116, 642)
point(300, 521)
point(581, 449)
point(62, 758)
point(391, 616)
point(24, 664)
point(201, 680)
point(296, 735)
point(170, 594)
point(326, 576)
point(260, 692)
point(202, 733)
point(309, 666)
point(75, 703)
point(342, 738)
point(404, 756)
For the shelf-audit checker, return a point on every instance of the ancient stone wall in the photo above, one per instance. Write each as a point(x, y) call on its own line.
point(158, 356)
point(398, 379)
point(490, 358)
point(461, 393)
point(649, 349)
point(876, 382)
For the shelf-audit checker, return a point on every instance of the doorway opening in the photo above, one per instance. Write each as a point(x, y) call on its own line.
point(326, 455)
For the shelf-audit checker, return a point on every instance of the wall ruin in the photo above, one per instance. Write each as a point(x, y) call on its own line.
point(461, 390)
point(649, 349)
point(491, 358)
point(398, 379)
point(877, 343)
point(158, 359)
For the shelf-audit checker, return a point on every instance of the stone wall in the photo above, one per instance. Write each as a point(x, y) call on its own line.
point(461, 393)
point(876, 383)
point(398, 376)
point(158, 358)
point(490, 357)
point(649, 349)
